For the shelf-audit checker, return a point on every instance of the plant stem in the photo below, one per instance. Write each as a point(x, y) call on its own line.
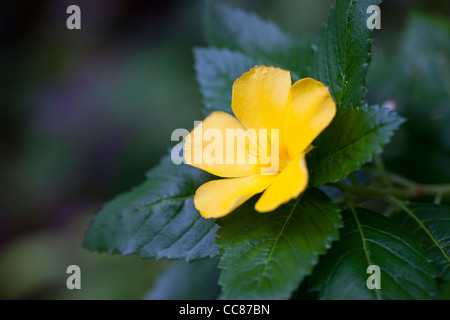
point(402, 181)
point(372, 191)
point(353, 179)
point(413, 190)
point(382, 170)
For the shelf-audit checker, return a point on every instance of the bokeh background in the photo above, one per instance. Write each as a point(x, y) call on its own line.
point(85, 113)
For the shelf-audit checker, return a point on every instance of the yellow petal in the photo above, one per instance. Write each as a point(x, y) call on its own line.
point(310, 110)
point(209, 148)
point(260, 96)
point(288, 185)
point(217, 198)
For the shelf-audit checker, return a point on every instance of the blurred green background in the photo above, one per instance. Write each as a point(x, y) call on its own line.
point(85, 113)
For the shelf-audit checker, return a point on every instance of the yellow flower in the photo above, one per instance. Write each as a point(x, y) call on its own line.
point(262, 98)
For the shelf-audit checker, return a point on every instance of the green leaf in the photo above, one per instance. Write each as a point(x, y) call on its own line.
point(368, 239)
point(157, 218)
point(217, 69)
point(352, 139)
point(187, 281)
point(262, 40)
point(266, 256)
point(430, 225)
point(343, 52)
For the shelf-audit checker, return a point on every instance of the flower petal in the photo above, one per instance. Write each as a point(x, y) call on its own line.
point(310, 110)
point(217, 198)
point(288, 185)
point(206, 147)
point(260, 96)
